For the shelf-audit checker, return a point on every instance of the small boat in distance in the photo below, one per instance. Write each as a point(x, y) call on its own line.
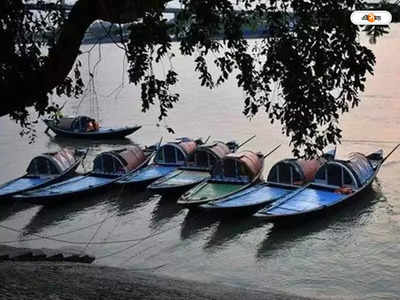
point(234, 173)
point(195, 171)
point(285, 176)
point(86, 128)
point(44, 170)
point(107, 168)
point(168, 158)
point(336, 182)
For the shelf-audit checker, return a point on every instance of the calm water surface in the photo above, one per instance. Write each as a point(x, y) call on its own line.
point(352, 253)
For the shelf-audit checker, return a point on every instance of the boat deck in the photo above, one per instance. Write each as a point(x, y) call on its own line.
point(70, 186)
point(22, 184)
point(306, 200)
point(215, 190)
point(151, 172)
point(254, 195)
point(182, 177)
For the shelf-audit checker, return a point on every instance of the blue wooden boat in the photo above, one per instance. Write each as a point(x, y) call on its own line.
point(335, 183)
point(284, 177)
point(86, 128)
point(108, 167)
point(168, 158)
point(44, 170)
point(234, 173)
point(197, 169)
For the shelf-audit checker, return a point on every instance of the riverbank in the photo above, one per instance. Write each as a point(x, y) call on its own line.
point(47, 280)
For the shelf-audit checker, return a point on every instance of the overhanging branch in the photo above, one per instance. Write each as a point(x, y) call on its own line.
point(62, 56)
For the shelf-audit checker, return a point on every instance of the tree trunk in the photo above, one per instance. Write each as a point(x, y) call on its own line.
point(62, 57)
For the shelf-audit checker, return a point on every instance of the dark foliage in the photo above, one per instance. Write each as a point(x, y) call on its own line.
point(24, 35)
point(310, 50)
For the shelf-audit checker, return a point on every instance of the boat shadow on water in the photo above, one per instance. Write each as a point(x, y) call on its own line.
point(7, 210)
point(80, 143)
point(196, 223)
point(343, 217)
point(230, 230)
point(66, 211)
point(165, 210)
point(128, 199)
point(225, 229)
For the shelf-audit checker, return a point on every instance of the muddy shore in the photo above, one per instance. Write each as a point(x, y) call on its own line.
point(49, 280)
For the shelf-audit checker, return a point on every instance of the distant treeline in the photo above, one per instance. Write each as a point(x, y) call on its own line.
point(105, 32)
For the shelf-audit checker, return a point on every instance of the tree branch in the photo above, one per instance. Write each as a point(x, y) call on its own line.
point(83, 14)
point(62, 56)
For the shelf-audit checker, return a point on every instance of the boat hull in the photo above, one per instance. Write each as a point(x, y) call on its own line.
point(324, 201)
point(315, 199)
point(217, 188)
point(295, 219)
point(76, 186)
point(209, 191)
point(27, 183)
point(80, 185)
point(250, 199)
point(102, 133)
point(226, 212)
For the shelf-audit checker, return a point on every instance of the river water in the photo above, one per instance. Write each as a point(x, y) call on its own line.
point(352, 253)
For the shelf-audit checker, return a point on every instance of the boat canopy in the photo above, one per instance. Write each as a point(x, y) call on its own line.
point(175, 153)
point(80, 123)
point(51, 163)
point(245, 166)
point(119, 161)
point(206, 156)
point(65, 123)
point(294, 171)
point(354, 172)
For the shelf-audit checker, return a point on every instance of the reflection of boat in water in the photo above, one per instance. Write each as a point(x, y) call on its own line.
point(49, 216)
point(165, 210)
point(196, 222)
point(108, 167)
point(280, 238)
point(127, 200)
point(84, 127)
point(336, 182)
point(117, 203)
point(43, 171)
point(229, 230)
point(85, 144)
point(7, 210)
